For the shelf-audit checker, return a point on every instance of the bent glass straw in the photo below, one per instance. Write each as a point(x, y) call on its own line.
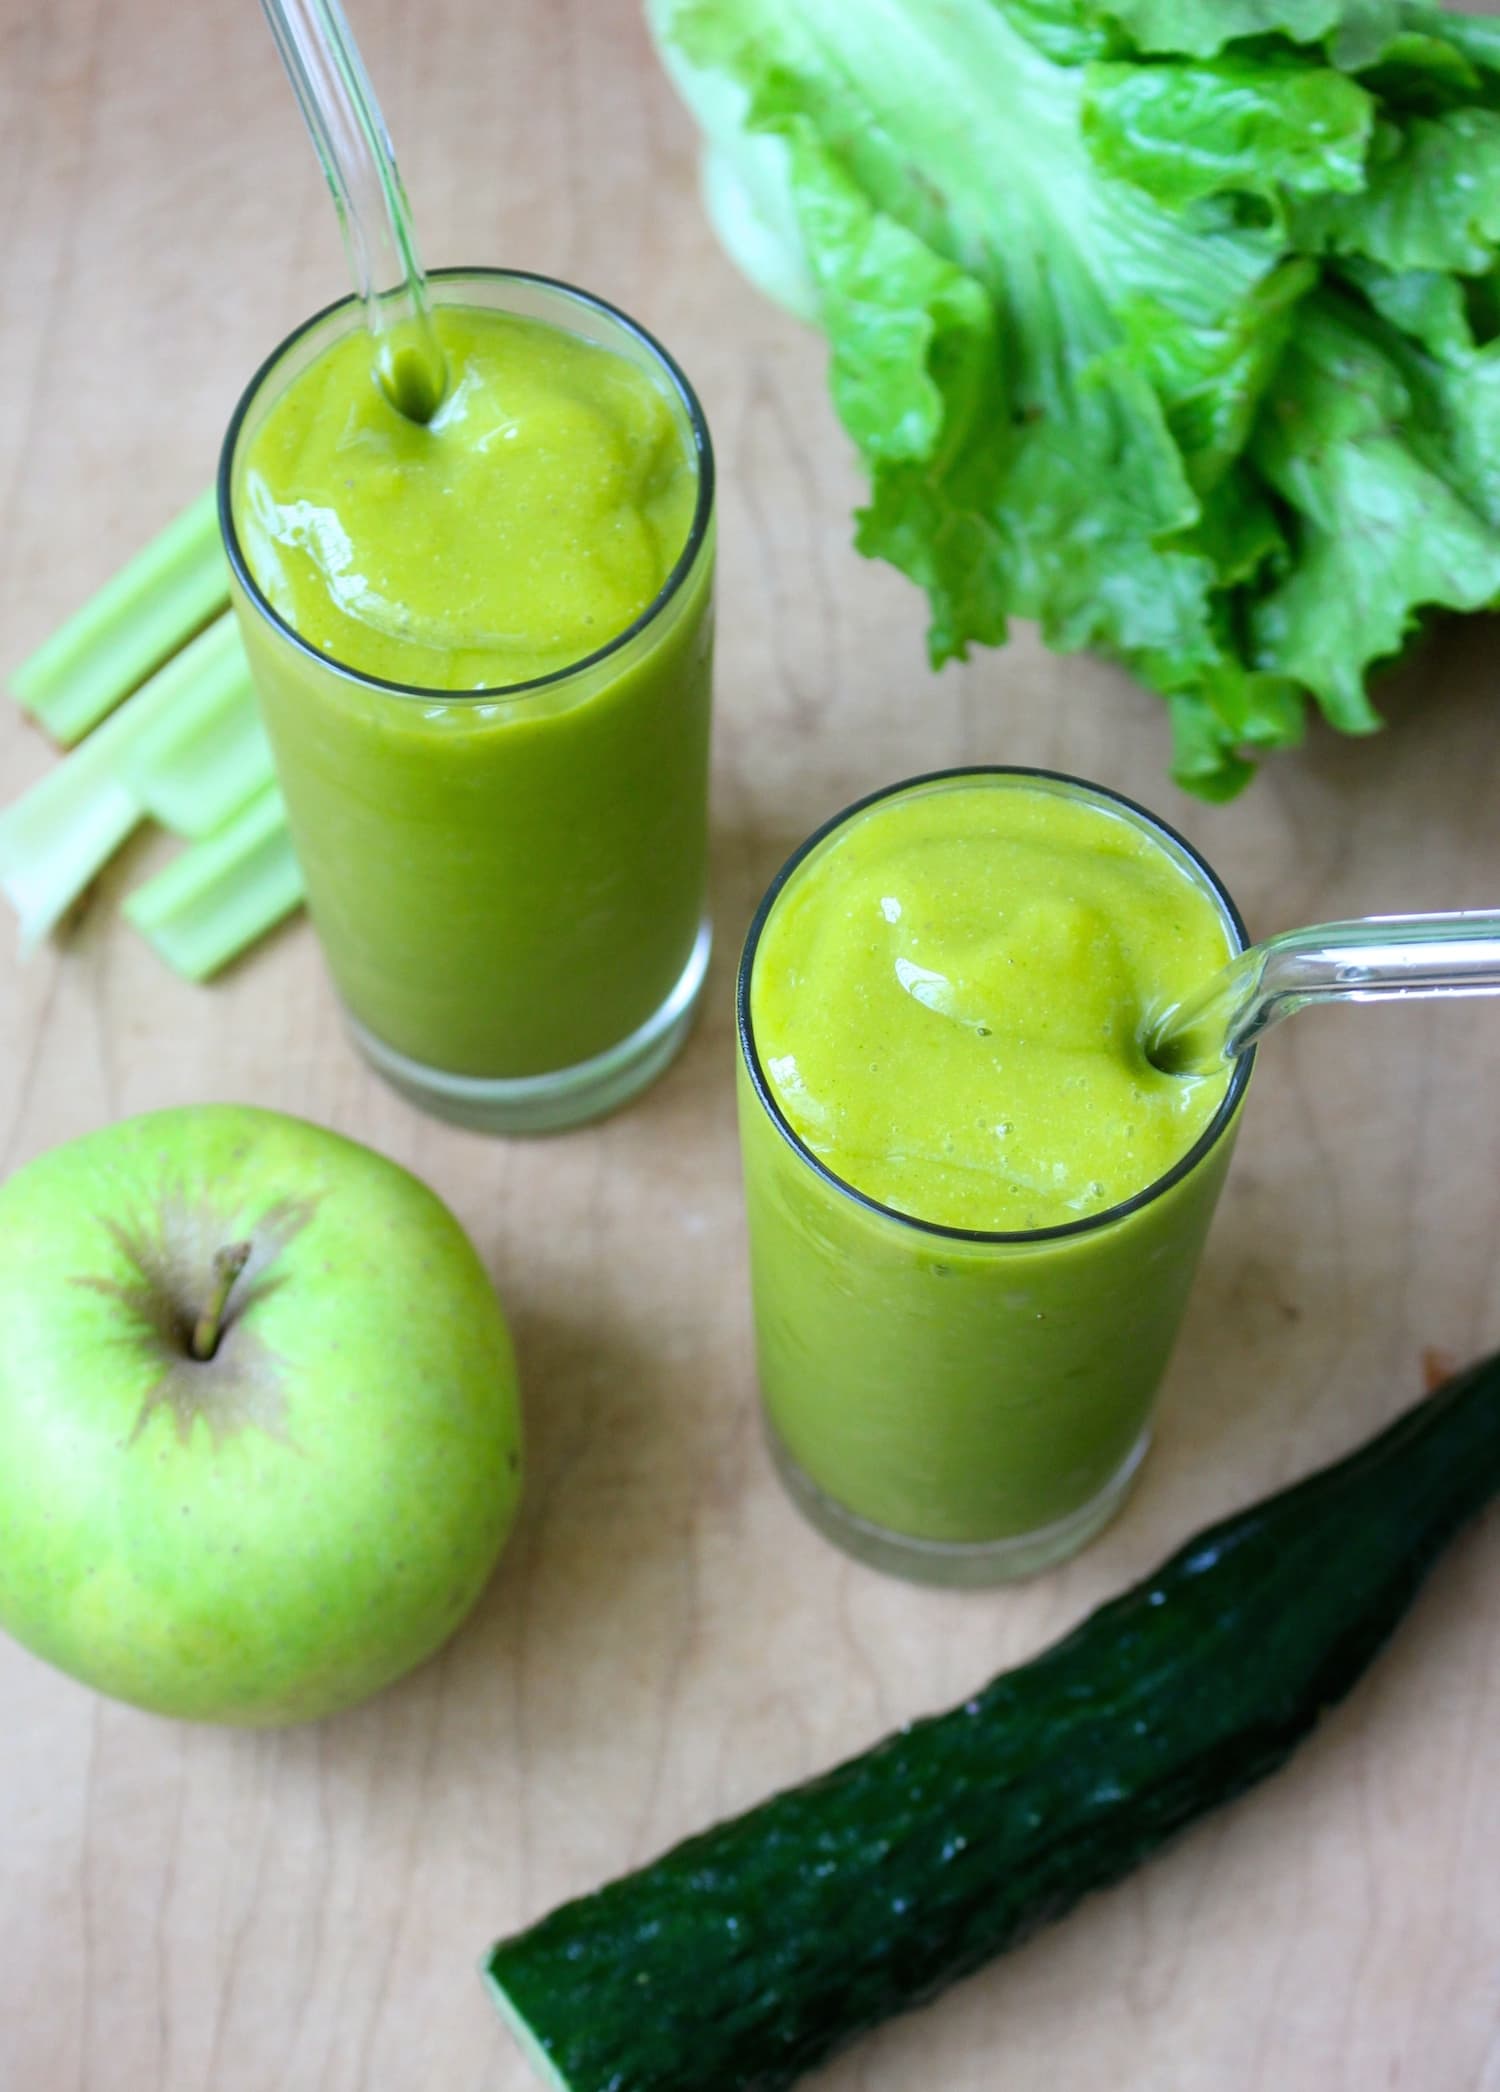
point(1378, 958)
point(339, 108)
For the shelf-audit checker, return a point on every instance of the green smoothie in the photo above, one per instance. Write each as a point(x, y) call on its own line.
point(482, 649)
point(531, 520)
point(943, 1011)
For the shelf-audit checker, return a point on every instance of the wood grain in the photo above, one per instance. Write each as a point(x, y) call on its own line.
point(183, 1910)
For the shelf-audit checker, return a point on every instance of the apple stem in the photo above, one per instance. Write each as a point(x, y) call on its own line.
point(209, 1327)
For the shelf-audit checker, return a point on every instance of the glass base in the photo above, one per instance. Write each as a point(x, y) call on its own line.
point(960, 1565)
point(567, 1097)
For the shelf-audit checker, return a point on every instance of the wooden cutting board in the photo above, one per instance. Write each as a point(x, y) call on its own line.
point(193, 1911)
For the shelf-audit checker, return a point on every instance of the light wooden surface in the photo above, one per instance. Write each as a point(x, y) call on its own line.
point(183, 1910)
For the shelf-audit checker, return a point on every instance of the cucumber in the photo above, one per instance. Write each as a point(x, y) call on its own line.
point(749, 1954)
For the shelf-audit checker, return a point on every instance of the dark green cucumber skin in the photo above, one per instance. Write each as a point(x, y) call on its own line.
point(749, 1954)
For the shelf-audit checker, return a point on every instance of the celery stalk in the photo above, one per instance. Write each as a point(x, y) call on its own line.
point(187, 727)
point(207, 755)
point(223, 892)
point(217, 770)
point(60, 836)
point(167, 592)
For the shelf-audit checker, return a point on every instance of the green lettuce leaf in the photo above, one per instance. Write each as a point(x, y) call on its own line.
point(1420, 71)
point(1356, 32)
point(1210, 378)
point(1431, 198)
point(1452, 412)
point(1237, 124)
point(1181, 355)
point(1432, 308)
point(1382, 529)
point(1476, 38)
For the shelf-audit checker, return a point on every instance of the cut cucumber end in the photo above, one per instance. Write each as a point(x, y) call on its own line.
point(525, 2040)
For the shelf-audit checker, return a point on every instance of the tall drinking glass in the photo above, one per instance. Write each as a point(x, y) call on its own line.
point(955, 1405)
point(508, 884)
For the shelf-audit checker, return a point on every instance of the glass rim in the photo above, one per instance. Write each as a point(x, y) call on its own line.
point(1208, 1139)
point(671, 587)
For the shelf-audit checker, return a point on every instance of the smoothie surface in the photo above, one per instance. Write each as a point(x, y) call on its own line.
point(948, 1000)
point(526, 525)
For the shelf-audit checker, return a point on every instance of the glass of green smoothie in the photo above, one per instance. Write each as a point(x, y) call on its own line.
point(482, 648)
point(975, 1207)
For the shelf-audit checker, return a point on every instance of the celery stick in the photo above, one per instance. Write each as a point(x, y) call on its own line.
point(219, 769)
point(59, 837)
point(61, 833)
point(166, 593)
point(222, 893)
point(207, 755)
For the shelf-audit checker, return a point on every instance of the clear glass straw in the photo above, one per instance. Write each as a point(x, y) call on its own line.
point(1379, 958)
point(339, 107)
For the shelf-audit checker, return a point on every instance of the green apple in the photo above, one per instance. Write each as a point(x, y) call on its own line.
point(259, 1431)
